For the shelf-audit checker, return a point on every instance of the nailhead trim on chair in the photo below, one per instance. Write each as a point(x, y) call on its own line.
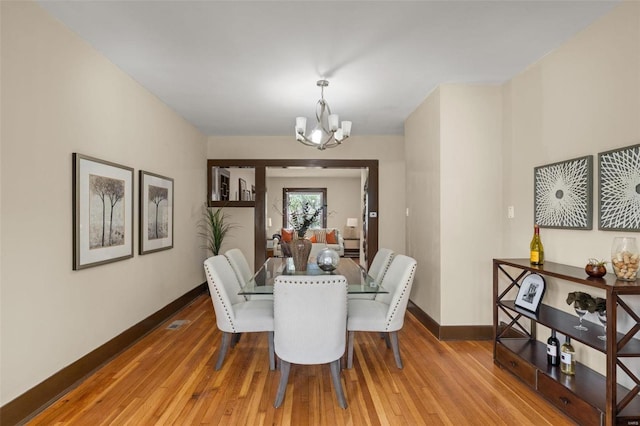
point(236, 273)
point(301, 281)
point(226, 309)
point(404, 290)
point(386, 267)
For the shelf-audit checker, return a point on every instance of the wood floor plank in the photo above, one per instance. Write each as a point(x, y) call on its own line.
point(168, 378)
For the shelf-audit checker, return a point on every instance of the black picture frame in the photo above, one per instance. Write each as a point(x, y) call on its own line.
point(102, 193)
point(155, 213)
point(619, 189)
point(563, 194)
point(531, 292)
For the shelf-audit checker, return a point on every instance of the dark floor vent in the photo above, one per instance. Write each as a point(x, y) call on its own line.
point(177, 324)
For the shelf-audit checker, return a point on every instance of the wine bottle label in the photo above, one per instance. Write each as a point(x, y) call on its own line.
point(535, 256)
point(551, 350)
point(566, 358)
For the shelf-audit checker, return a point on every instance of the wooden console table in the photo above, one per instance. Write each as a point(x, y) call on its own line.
point(588, 397)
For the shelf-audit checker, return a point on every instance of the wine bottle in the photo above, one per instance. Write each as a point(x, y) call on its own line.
point(553, 350)
point(567, 358)
point(537, 251)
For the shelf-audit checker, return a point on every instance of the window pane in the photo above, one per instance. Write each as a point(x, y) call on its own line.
point(295, 199)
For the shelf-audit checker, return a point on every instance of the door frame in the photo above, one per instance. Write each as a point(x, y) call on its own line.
point(260, 208)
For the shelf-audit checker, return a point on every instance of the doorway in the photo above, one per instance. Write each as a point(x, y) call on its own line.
point(368, 196)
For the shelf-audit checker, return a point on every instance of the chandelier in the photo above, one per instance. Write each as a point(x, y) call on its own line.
point(326, 133)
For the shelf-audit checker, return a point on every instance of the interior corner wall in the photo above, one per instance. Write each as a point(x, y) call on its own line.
point(60, 96)
point(422, 158)
point(388, 150)
point(470, 200)
point(581, 99)
point(453, 155)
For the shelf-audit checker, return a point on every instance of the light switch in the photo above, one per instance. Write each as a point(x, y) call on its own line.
point(510, 212)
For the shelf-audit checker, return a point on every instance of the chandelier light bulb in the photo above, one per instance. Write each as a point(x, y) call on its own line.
point(346, 128)
point(316, 136)
point(301, 125)
point(333, 122)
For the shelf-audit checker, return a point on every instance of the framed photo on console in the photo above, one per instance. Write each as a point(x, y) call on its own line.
point(531, 291)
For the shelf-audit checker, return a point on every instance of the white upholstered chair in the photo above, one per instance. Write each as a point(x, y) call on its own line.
point(380, 263)
point(310, 319)
point(239, 264)
point(242, 269)
point(386, 312)
point(234, 314)
point(377, 270)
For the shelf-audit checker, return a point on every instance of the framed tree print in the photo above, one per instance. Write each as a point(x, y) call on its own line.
point(563, 194)
point(156, 212)
point(102, 212)
point(619, 189)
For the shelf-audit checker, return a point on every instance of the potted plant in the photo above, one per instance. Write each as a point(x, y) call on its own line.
point(596, 268)
point(215, 228)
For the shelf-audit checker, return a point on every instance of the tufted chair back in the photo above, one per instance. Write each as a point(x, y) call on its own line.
point(310, 318)
point(224, 288)
point(398, 281)
point(239, 264)
point(380, 264)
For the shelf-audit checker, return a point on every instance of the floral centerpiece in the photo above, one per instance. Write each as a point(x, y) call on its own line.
point(302, 219)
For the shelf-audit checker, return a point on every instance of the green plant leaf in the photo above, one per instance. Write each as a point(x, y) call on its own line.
point(215, 228)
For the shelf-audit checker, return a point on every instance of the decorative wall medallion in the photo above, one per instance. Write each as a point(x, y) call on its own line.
point(619, 189)
point(563, 194)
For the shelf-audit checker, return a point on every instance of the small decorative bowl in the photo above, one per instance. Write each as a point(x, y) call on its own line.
point(597, 271)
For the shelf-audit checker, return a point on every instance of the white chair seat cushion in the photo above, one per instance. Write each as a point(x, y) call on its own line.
point(253, 315)
point(367, 315)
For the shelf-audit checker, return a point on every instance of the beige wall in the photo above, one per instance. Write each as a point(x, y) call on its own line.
point(581, 99)
point(422, 157)
point(387, 149)
point(475, 149)
point(59, 96)
point(453, 162)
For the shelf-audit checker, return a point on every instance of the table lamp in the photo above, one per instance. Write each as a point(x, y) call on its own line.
point(352, 223)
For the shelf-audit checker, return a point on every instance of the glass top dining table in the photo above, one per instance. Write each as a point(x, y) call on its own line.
point(357, 279)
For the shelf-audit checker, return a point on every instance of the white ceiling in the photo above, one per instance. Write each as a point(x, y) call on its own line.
point(250, 67)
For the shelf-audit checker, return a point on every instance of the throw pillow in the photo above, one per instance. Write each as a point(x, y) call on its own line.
point(321, 235)
point(287, 235)
point(313, 239)
point(331, 237)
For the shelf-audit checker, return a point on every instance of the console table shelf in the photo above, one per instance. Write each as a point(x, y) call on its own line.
point(588, 397)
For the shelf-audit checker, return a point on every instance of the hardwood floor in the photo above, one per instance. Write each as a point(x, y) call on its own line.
point(168, 377)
